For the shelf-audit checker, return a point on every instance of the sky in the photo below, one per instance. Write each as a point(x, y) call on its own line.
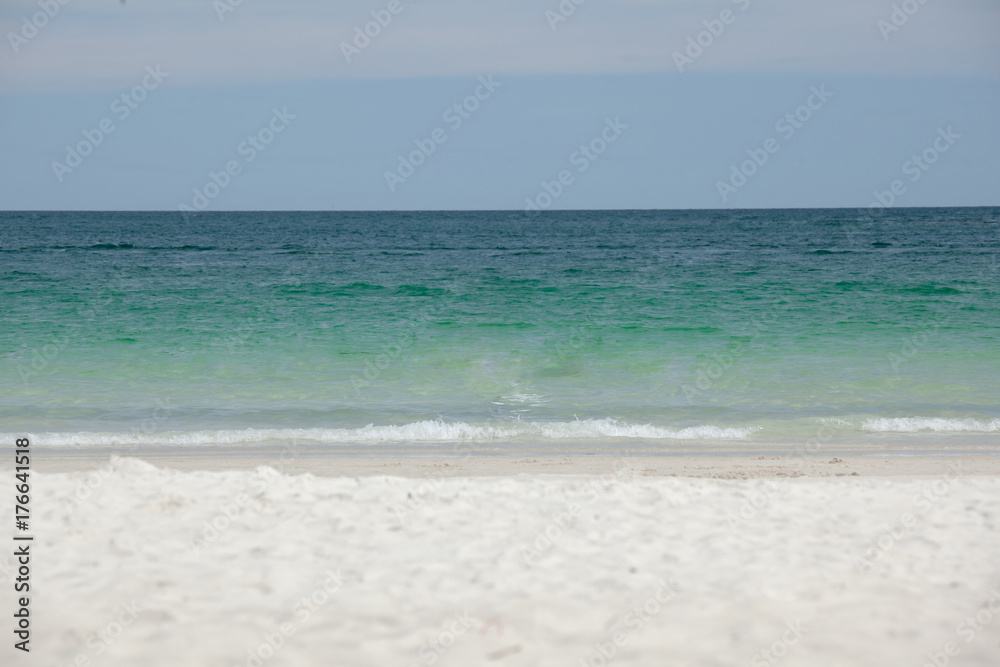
point(499, 104)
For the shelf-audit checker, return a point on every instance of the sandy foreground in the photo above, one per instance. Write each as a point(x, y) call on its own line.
point(245, 559)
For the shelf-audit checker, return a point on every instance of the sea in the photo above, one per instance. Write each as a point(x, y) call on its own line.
point(569, 331)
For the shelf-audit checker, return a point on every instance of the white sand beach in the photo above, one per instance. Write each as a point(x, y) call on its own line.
point(582, 561)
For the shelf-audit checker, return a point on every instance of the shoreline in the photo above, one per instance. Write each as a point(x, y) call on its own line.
point(719, 465)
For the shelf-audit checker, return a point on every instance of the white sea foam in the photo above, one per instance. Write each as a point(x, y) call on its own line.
point(835, 420)
point(423, 431)
point(518, 397)
point(914, 424)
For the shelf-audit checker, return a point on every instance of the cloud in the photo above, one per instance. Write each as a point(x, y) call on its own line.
point(92, 44)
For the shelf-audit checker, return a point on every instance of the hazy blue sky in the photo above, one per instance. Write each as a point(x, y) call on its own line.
point(596, 99)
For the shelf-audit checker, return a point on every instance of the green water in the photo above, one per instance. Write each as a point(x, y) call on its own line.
point(662, 327)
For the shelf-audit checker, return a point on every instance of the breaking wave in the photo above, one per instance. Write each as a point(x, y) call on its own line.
point(423, 431)
point(914, 424)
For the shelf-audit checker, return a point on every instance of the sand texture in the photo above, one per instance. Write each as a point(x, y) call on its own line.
point(141, 565)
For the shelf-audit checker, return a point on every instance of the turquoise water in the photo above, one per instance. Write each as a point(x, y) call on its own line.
point(660, 327)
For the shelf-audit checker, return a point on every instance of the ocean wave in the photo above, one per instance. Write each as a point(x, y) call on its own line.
point(913, 424)
point(835, 420)
point(423, 431)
